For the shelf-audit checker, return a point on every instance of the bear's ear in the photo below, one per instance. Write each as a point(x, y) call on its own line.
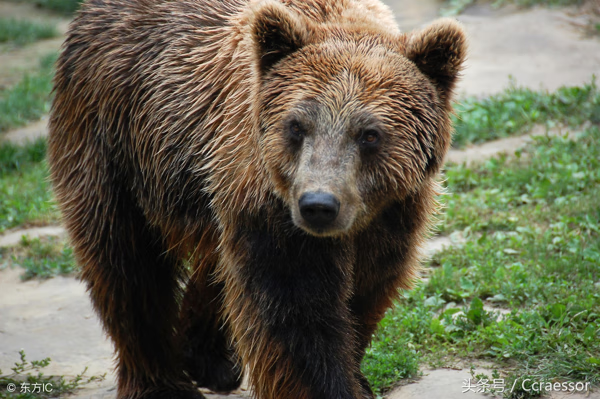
point(439, 52)
point(277, 32)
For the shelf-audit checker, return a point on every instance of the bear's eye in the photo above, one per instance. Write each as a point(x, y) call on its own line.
point(369, 138)
point(296, 130)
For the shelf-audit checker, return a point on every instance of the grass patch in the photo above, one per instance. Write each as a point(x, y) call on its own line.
point(516, 110)
point(25, 198)
point(14, 158)
point(43, 259)
point(66, 7)
point(21, 32)
point(29, 99)
point(392, 356)
point(29, 382)
point(534, 249)
point(24, 187)
point(498, 195)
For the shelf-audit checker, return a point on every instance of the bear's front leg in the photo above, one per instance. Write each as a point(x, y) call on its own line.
point(286, 298)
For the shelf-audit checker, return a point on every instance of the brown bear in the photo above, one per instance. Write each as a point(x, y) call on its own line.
point(247, 183)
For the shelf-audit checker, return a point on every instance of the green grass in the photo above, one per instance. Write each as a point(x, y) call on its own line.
point(25, 196)
point(534, 248)
point(516, 110)
point(21, 32)
point(29, 99)
point(29, 376)
point(14, 158)
point(552, 172)
point(43, 259)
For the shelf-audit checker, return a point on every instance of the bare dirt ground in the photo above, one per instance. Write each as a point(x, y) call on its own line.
point(540, 48)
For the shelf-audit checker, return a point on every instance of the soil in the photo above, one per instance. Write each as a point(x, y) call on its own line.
point(540, 48)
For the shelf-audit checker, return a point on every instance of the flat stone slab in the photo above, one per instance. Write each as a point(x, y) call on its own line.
point(28, 133)
point(538, 47)
point(51, 318)
point(54, 318)
point(458, 384)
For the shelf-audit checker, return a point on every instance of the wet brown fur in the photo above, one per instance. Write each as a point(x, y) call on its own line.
point(168, 144)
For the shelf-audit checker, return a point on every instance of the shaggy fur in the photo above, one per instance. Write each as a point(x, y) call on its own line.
point(183, 136)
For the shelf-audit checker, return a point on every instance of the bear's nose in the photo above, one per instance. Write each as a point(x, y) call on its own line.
point(319, 209)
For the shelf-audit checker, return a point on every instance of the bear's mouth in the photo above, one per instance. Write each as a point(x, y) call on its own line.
point(320, 232)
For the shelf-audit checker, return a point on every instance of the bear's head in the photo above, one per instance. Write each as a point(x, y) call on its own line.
point(352, 117)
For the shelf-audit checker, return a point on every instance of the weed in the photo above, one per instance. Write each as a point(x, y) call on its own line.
point(21, 32)
point(25, 385)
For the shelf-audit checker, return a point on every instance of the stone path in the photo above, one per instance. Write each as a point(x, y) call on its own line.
point(540, 48)
point(28, 133)
point(12, 237)
point(451, 384)
point(54, 318)
point(508, 145)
